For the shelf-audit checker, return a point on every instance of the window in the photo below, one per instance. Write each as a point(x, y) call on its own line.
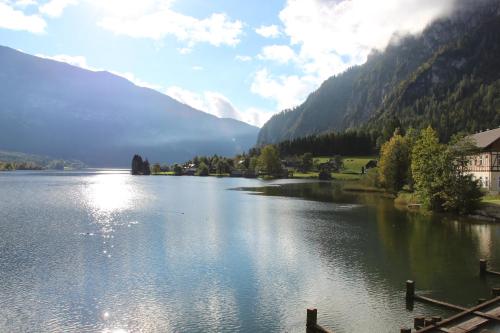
point(499, 182)
point(481, 181)
point(486, 182)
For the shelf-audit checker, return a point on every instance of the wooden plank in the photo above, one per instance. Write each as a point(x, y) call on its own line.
point(493, 272)
point(492, 316)
point(440, 303)
point(460, 316)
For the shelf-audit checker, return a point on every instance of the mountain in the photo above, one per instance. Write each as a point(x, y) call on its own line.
point(447, 77)
point(52, 108)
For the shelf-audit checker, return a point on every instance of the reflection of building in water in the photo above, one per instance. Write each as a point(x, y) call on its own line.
point(485, 166)
point(485, 235)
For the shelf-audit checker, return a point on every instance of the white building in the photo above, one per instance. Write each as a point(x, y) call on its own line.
point(485, 166)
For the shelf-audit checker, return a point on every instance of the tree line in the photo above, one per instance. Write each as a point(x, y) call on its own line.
point(435, 171)
point(352, 142)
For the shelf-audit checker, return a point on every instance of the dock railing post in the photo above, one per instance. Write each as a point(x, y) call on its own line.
point(410, 290)
point(418, 322)
point(495, 292)
point(483, 263)
point(312, 318)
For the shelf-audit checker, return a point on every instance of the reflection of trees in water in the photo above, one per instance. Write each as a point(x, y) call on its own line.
point(317, 191)
point(384, 246)
point(438, 251)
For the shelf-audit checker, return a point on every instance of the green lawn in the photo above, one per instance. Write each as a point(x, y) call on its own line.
point(345, 176)
point(167, 173)
point(491, 199)
point(351, 171)
point(352, 164)
point(305, 175)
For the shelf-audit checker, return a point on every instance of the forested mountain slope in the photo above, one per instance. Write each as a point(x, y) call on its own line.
point(447, 77)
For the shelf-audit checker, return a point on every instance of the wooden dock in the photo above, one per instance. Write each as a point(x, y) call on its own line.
point(482, 318)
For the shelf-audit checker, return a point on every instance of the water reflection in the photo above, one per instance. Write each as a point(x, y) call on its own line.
point(378, 247)
point(115, 253)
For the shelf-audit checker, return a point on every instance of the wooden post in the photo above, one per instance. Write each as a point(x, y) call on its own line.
point(405, 330)
point(428, 322)
point(418, 322)
point(312, 317)
point(495, 292)
point(410, 289)
point(436, 319)
point(483, 263)
point(481, 300)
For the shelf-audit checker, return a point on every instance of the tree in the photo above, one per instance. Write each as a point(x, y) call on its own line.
point(337, 163)
point(137, 165)
point(269, 160)
point(156, 168)
point(222, 166)
point(56, 165)
point(306, 162)
point(202, 170)
point(177, 170)
point(325, 173)
point(394, 163)
point(146, 169)
point(439, 173)
point(427, 159)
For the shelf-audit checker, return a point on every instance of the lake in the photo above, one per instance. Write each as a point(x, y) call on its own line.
point(103, 251)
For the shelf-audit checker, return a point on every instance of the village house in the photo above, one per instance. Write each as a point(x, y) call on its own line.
point(485, 166)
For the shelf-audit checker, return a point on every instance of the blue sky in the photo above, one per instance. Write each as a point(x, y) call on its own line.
point(241, 59)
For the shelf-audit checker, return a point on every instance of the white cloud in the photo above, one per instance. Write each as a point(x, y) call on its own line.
point(243, 58)
point(25, 3)
point(14, 19)
point(137, 81)
point(218, 105)
point(288, 91)
point(279, 53)
point(268, 31)
point(185, 50)
point(154, 19)
point(79, 61)
point(197, 68)
point(352, 28)
point(331, 36)
point(55, 8)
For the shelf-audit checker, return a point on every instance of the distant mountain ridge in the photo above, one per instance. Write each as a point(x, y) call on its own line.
point(52, 108)
point(448, 77)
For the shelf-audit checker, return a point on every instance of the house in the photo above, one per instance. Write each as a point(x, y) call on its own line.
point(189, 170)
point(485, 165)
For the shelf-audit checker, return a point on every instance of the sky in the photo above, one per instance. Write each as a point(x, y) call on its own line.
point(241, 59)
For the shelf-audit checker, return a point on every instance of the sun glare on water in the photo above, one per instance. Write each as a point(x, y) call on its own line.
point(110, 193)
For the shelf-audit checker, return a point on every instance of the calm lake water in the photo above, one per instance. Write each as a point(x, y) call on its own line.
point(108, 252)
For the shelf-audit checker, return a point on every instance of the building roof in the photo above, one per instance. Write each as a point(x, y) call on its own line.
point(486, 138)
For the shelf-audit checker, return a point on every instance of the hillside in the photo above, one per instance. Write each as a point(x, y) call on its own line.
point(448, 77)
point(52, 108)
point(36, 161)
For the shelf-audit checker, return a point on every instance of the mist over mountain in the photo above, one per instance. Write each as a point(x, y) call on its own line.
point(447, 77)
point(52, 108)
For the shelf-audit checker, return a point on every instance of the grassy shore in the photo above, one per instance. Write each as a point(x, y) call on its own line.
point(491, 199)
point(352, 168)
point(406, 198)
